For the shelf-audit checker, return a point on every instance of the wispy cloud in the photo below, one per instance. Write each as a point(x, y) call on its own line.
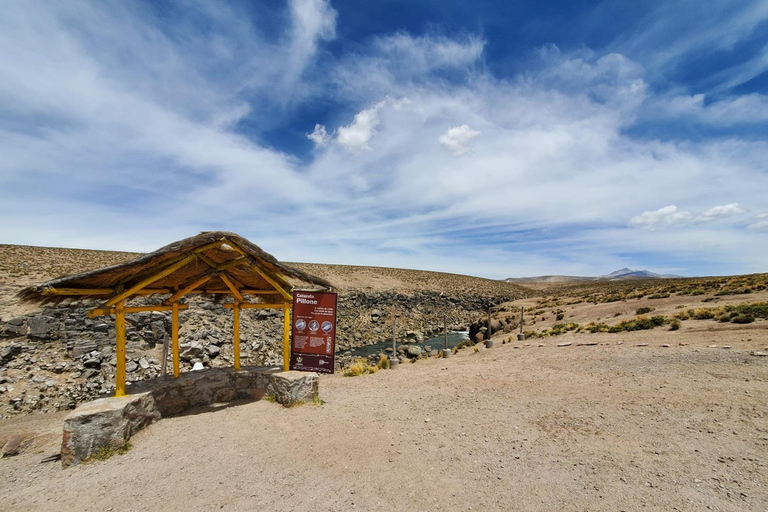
point(158, 130)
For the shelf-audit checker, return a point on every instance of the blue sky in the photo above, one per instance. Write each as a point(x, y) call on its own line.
point(503, 138)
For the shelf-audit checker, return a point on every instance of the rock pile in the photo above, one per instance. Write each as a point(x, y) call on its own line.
point(58, 358)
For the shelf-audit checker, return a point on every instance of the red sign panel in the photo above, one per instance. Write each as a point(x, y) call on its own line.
point(313, 332)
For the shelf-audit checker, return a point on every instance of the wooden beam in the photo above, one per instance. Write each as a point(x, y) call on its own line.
point(77, 291)
point(175, 338)
point(120, 342)
point(282, 283)
point(150, 291)
point(250, 305)
point(271, 281)
point(208, 261)
point(259, 292)
point(179, 294)
point(227, 281)
point(230, 264)
point(132, 309)
point(149, 280)
point(236, 334)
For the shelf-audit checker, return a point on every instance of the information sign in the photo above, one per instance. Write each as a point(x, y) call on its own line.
point(313, 332)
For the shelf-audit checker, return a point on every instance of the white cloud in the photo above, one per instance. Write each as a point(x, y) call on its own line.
point(313, 21)
point(92, 132)
point(663, 217)
point(720, 212)
point(761, 224)
point(457, 139)
point(319, 136)
point(355, 137)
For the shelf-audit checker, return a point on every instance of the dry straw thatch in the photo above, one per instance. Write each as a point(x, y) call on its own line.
point(210, 247)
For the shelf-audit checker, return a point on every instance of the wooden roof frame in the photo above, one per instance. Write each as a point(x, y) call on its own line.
point(259, 274)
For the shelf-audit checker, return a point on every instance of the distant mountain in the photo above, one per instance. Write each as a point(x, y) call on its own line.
point(622, 274)
point(628, 273)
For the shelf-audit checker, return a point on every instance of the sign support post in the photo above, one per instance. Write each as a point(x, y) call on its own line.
point(286, 337)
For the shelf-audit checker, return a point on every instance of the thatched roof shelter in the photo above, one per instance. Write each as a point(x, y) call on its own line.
point(217, 263)
point(209, 259)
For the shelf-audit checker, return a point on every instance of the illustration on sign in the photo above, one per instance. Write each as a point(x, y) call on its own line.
point(313, 332)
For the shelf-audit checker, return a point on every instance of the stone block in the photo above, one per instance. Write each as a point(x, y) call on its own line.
point(106, 422)
point(292, 386)
point(110, 422)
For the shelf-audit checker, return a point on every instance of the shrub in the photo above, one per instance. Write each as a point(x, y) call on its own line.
point(658, 320)
point(743, 319)
point(643, 310)
point(383, 363)
point(703, 314)
point(357, 368)
point(559, 316)
point(674, 325)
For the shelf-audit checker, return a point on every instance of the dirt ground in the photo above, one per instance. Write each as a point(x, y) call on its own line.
point(609, 427)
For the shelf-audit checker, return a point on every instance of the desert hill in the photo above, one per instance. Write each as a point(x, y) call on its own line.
point(22, 265)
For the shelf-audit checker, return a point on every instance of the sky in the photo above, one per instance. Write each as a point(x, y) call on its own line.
point(497, 139)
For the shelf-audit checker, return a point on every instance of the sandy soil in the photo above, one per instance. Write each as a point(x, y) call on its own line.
point(609, 427)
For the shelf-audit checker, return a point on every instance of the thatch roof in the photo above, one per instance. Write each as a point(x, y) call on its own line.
point(189, 261)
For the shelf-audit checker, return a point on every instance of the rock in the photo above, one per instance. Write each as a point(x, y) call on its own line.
point(292, 386)
point(213, 351)
point(564, 344)
point(193, 350)
point(131, 366)
point(641, 345)
point(9, 352)
point(15, 445)
point(93, 362)
point(83, 346)
point(143, 363)
point(100, 327)
point(587, 344)
point(758, 353)
point(15, 327)
point(414, 351)
point(43, 327)
point(375, 315)
point(89, 374)
point(105, 423)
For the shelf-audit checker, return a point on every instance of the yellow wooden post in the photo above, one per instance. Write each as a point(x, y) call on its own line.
point(286, 336)
point(236, 311)
point(120, 339)
point(175, 337)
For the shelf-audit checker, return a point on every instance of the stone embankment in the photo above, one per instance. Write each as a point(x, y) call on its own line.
point(58, 358)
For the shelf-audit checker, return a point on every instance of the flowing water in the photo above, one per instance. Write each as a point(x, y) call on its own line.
point(437, 343)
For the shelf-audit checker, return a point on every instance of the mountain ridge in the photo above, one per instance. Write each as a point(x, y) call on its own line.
point(621, 274)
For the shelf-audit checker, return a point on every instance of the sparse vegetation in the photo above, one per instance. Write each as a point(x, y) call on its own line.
point(107, 452)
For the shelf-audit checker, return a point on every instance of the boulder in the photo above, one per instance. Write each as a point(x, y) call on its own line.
point(8, 352)
point(213, 351)
point(105, 423)
point(193, 350)
point(43, 327)
point(414, 351)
